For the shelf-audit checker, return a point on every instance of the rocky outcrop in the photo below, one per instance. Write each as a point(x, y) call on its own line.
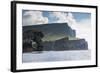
point(64, 44)
point(56, 37)
point(52, 29)
point(60, 45)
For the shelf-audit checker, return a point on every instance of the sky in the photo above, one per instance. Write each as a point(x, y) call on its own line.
point(32, 17)
point(81, 22)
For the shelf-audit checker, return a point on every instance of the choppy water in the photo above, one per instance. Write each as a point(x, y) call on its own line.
point(46, 56)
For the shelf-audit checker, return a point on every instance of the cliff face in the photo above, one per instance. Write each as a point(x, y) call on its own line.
point(61, 45)
point(54, 29)
point(64, 44)
point(56, 38)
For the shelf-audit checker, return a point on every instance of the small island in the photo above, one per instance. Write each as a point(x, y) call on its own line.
point(51, 37)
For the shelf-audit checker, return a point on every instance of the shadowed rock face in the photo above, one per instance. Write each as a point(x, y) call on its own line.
point(64, 44)
point(31, 36)
point(61, 45)
point(52, 29)
point(36, 33)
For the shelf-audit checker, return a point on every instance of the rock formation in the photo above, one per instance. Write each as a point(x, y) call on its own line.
point(53, 37)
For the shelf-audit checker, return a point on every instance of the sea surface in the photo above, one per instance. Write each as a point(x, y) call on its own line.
point(47, 56)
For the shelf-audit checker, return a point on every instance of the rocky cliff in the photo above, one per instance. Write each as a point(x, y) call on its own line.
point(56, 37)
point(64, 44)
point(55, 29)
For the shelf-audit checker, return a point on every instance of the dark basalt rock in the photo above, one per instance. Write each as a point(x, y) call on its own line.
point(35, 33)
point(54, 28)
point(63, 44)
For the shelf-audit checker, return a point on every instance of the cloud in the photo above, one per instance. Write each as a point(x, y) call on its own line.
point(62, 17)
point(33, 18)
point(59, 16)
point(36, 17)
point(83, 27)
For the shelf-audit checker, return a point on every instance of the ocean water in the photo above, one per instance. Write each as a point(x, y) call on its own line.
point(47, 56)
